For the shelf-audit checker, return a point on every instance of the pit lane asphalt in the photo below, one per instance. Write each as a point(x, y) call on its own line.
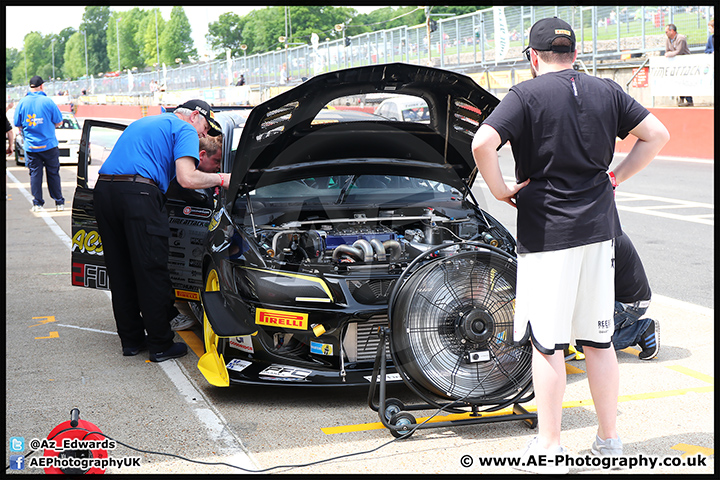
point(666, 407)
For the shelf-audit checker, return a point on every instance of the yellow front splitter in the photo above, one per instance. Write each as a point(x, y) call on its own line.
point(212, 366)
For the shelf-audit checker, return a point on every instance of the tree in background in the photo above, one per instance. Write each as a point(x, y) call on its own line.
point(95, 24)
point(12, 57)
point(227, 32)
point(74, 56)
point(61, 40)
point(129, 47)
point(176, 40)
point(32, 54)
point(147, 36)
point(318, 19)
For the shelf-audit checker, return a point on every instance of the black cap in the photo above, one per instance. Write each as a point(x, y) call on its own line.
point(36, 81)
point(545, 31)
point(205, 111)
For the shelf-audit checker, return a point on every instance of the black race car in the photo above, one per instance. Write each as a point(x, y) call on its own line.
point(327, 234)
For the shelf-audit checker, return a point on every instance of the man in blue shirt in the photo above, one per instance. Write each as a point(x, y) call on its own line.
point(129, 200)
point(38, 116)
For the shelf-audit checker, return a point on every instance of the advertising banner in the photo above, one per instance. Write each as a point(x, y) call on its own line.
point(502, 38)
point(682, 75)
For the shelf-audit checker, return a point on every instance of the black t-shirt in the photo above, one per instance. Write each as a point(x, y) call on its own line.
point(631, 283)
point(562, 128)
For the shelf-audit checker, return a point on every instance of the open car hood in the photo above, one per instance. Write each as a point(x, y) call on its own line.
point(280, 141)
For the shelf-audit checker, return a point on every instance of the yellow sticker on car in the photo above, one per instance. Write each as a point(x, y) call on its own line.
point(187, 295)
point(280, 319)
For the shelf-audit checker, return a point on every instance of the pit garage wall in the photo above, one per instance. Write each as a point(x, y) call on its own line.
point(691, 128)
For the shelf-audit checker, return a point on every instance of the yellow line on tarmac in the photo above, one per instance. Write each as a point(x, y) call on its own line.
point(693, 373)
point(530, 408)
point(693, 449)
point(193, 341)
point(444, 418)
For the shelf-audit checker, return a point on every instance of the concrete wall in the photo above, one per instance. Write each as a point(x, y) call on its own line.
point(691, 128)
point(691, 132)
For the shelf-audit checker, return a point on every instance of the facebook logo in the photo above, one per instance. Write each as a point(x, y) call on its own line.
point(17, 444)
point(17, 462)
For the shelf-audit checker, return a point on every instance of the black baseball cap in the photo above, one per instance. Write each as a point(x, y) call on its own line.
point(205, 111)
point(545, 31)
point(36, 81)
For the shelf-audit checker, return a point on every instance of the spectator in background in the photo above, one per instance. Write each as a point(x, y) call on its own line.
point(241, 81)
point(676, 44)
point(710, 47)
point(37, 116)
point(625, 18)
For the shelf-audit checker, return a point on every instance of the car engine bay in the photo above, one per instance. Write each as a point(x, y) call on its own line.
point(358, 241)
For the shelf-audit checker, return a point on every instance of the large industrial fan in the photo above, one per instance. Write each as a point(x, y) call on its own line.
point(451, 338)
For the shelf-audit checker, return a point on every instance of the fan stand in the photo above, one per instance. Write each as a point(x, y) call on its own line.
point(395, 417)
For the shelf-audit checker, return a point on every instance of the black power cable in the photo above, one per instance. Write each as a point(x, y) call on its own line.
point(318, 462)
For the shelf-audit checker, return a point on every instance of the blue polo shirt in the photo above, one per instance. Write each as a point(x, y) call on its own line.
point(149, 147)
point(37, 115)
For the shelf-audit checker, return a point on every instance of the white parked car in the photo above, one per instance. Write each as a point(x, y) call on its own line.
point(68, 135)
point(405, 108)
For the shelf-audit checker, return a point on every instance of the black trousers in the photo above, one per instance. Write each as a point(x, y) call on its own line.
point(134, 229)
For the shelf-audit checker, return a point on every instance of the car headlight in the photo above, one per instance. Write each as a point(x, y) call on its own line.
point(275, 287)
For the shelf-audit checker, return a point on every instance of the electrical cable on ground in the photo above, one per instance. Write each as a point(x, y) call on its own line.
point(318, 462)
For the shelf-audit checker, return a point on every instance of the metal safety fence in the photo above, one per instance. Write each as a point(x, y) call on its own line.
point(488, 39)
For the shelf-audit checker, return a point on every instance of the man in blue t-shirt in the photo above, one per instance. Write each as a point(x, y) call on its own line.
point(38, 116)
point(129, 200)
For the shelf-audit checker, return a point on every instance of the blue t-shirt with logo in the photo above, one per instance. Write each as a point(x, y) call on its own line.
point(37, 115)
point(149, 147)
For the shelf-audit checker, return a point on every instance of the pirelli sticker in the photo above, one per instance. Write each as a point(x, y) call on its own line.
point(280, 319)
point(187, 295)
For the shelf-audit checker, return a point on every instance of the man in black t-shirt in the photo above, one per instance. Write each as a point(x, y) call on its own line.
point(562, 127)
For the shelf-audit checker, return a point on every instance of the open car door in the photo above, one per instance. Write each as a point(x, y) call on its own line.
point(88, 262)
point(189, 213)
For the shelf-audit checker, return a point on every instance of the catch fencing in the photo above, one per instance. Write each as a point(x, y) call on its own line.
point(486, 40)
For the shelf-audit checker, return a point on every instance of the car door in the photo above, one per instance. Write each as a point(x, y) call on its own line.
point(189, 213)
point(88, 263)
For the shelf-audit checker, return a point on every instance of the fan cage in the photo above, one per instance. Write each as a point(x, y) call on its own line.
point(452, 328)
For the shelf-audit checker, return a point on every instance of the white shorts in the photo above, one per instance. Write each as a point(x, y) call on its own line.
point(566, 297)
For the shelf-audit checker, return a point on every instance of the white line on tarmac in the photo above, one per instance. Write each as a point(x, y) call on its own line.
point(87, 329)
point(213, 421)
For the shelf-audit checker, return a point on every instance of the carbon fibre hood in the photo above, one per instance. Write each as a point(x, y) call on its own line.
point(280, 141)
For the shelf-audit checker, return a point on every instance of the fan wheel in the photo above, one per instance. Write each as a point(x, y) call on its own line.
point(404, 421)
point(452, 328)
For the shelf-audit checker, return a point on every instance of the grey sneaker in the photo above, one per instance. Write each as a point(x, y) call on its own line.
point(181, 322)
point(612, 447)
point(535, 459)
point(60, 207)
point(37, 208)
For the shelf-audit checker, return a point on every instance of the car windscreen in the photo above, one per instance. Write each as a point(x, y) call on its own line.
point(354, 189)
point(69, 122)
